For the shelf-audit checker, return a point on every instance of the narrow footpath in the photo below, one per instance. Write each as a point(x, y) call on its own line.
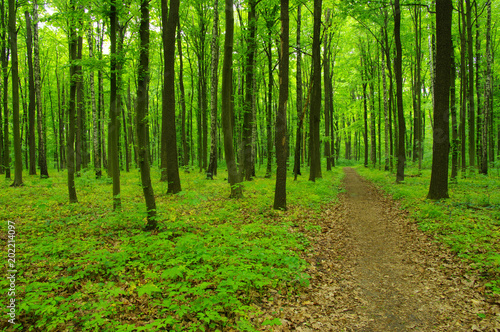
point(373, 270)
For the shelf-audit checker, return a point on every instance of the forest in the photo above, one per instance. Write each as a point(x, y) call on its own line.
point(170, 165)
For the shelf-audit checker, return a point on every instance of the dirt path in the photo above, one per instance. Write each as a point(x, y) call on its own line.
point(373, 270)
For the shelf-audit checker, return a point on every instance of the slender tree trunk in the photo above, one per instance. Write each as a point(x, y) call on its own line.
point(454, 125)
point(32, 102)
point(399, 94)
point(438, 188)
point(364, 79)
point(315, 169)
point(487, 96)
point(269, 104)
point(142, 118)
point(72, 107)
point(463, 88)
point(169, 140)
point(281, 130)
point(298, 138)
point(214, 80)
point(95, 119)
point(249, 93)
point(227, 104)
point(328, 93)
point(114, 116)
point(5, 74)
point(386, 120)
point(472, 111)
point(42, 155)
point(185, 150)
point(18, 175)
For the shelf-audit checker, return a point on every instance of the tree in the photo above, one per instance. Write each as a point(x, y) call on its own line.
point(18, 176)
point(281, 130)
point(487, 96)
point(114, 115)
point(441, 145)
point(142, 118)
point(5, 74)
point(398, 70)
point(314, 119)
point(169, 133)
point(298, 136)
point(248, 110)
point(214, 80)
point(42, 156)
point(227, 126)
point(72, 40)
point(95, 120)
point(32, 105)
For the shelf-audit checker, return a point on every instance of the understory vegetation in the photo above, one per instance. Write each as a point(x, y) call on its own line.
point(468, 222)
point(84, 267)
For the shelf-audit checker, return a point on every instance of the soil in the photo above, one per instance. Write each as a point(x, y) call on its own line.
point(372, 269)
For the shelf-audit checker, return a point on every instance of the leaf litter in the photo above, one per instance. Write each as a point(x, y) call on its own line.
point(372, 269)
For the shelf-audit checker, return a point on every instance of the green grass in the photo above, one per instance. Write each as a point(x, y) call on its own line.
point(83, 267)
point(468, 222)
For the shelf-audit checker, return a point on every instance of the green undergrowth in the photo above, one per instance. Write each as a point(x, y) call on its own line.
point(468, 222)
point(83, 267)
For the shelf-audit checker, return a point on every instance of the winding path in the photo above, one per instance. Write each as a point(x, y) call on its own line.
point(373, 270)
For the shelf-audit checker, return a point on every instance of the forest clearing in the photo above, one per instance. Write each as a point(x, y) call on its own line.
point(250, 165)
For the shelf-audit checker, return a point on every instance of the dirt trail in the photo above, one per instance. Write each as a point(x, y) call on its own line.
point(373, 270)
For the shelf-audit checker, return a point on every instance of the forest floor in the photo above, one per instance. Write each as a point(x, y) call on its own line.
point(372, 269)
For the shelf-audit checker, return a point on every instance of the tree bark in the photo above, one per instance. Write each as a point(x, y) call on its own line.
point(248, 110)
point(114, 115)
point(169, 132)
point(95, 120)
point(438, 188)
point(72, 108)
point(298, 136)
point(32, 102)
point(185, 150)
point(214, 80)
point(142, 118)
point(42, 155)
point(18, 175)
point(400, 176)
point(454, 125)
point(471, 106)
point(281, 130)
point(315, 168)
point(5, 75)
point(487, 96)
point(227, 104)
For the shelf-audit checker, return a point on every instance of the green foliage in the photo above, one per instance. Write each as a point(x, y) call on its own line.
point(83, 267)
point(468, 222)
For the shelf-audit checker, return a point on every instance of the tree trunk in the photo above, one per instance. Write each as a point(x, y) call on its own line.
point(399, 94)
point(18, 176)
point(32, 102)
point(249, 93)
point(487, 96)
point(281, 130)
point(328, 93)
point(142, 118)
point(386, 119)
point(454, 125)
point(227, 104)
point(364, 79)
point(79, 108)
point(185, 150)
point(214, 80)
point(5, 74)
point(169, 132)
point(95, 120)
point(438, 188)
point(315, 169)
point(42, 155)
point(269, 104)
point(472, 111)
point(298, 138)
point(72, 107)
point(463, 88)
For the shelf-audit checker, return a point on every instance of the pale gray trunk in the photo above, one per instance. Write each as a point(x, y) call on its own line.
point(95, 121)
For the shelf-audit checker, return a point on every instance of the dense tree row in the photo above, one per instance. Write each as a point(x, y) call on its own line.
point(117, 85)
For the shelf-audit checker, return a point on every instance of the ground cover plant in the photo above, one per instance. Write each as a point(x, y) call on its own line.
point(468, 222)
point(84, 267)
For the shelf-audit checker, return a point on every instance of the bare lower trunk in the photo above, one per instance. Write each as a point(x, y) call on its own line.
point(42, 155)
